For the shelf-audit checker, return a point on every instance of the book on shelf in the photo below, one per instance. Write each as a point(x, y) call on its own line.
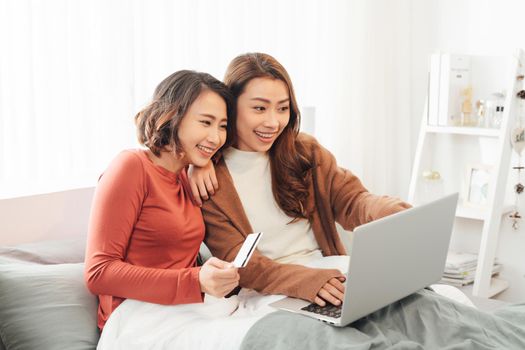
point(466, 277)
point(459, 282)
point(458, 261)
point(466, 273)
point(460, 269)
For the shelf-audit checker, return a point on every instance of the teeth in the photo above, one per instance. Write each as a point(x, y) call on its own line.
point(264, 135)
point(205, 149)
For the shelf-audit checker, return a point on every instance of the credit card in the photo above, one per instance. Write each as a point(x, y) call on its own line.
point(247, 249)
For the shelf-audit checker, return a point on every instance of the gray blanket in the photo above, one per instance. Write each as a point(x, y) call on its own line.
point(423, 320)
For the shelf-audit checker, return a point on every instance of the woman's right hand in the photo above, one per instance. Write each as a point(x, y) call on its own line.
point(203, 182)
point(333, 292)
point(218, 278)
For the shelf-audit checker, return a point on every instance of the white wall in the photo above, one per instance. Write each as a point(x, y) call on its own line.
point(74, 73)
point(478, 27)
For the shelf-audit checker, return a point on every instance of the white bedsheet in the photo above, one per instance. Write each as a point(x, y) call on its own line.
point(215, 324)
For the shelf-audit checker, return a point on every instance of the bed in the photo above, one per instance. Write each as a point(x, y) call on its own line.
point(44, 303)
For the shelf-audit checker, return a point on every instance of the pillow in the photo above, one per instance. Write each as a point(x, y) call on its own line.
point(46, 307)
point(46, 252)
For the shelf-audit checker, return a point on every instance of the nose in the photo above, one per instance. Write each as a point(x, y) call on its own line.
point(271, 120)
point(214, 136)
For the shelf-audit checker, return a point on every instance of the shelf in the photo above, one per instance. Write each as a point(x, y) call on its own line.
point(497, 285)
point(452, 149)
point(474, 213)
point(460, 130)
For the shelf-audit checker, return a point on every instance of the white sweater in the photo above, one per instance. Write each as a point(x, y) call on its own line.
point(282, 241)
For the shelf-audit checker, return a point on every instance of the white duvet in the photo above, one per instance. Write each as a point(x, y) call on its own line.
point(215, 324)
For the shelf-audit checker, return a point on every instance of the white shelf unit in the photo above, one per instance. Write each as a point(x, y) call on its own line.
point(450, 150)
point(463, 131)
point(467, 212)
point(497, 285)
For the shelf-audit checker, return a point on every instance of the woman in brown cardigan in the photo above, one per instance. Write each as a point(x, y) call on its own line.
point(284, 183)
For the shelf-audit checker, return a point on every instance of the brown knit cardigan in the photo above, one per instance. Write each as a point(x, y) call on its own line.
point(337, 196)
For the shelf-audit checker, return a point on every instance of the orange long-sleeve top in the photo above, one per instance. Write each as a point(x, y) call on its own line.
point(144, 236)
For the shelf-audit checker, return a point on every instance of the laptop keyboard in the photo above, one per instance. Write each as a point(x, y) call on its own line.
point(327, 310)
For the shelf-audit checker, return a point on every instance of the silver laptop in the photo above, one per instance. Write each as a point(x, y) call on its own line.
point(391, 258)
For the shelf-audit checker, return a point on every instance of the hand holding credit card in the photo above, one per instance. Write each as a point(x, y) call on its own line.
point(247, 249)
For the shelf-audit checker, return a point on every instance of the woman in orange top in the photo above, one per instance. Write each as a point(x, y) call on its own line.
point(144, 230)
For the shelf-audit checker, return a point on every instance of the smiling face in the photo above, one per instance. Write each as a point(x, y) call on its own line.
point(202, 130)
point(263, 111)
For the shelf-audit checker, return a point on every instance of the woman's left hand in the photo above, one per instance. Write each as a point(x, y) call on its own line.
point(203, 182)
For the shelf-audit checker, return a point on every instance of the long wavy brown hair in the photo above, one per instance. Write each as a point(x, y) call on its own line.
point(290, 168)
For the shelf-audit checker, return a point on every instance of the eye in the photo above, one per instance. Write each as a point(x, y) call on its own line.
point(284, 108)
point(205, 122)
point(259, 108)
point(224, 126)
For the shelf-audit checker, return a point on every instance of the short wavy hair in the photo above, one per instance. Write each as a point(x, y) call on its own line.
point(158, 123)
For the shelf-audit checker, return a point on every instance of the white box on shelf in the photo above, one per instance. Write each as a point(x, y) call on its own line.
point(454, 78)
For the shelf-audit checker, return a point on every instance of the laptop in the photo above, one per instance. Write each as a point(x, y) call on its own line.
point(391, 258)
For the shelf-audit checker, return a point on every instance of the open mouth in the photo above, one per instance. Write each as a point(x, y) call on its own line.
point(208, 151)
point(265, 136)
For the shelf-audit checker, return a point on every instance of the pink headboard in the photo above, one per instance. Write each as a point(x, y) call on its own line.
point(45, 217)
